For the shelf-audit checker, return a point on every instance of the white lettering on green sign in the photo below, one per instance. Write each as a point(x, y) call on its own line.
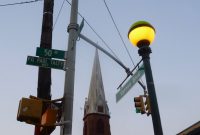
point(130, 83)
point(45, 62)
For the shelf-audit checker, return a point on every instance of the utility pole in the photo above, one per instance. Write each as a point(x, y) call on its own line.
point(44, 74)
point(67, 110)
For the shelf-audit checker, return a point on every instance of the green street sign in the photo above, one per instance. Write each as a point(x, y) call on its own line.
point(50, 53)
point(130, 83)
point(45, 62)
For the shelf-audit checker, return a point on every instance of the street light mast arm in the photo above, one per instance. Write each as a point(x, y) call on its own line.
point(106, 52)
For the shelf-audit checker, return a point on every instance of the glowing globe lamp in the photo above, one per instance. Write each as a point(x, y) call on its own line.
point(141, 33)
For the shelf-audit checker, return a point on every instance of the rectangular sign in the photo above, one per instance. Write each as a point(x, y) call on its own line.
point(81, 26)
point(130, 83)
point(45, 62)
point(50, 53)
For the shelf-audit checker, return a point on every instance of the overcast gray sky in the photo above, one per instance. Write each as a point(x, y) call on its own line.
point(175, 61)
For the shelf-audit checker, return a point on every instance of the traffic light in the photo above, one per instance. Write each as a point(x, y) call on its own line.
point(148, 106)
point(139, 104)
point(30, 111)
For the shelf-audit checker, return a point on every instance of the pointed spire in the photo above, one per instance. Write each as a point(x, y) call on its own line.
point(96, 102)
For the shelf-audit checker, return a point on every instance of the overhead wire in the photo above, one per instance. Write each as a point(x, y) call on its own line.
point(27, 2)
point(19, 3)
point(57, 17)
point(33, 1)
point(140, 82)
point(116, 27)
point(97, 34)
point(104, 40)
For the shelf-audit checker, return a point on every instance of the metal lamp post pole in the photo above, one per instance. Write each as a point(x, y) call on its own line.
point(144, 51)
point(67, 111)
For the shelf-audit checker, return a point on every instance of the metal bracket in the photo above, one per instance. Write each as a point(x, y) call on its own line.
point(66, 54)
point(72, 26)
point(81, 26)
point(130, 74)
point(48, 13)
point(61, 123)
point(65, 62)
point(45, 100)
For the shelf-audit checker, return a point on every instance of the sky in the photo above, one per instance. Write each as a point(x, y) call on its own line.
point(174, 61)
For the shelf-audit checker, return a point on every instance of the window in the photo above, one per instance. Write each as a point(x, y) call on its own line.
point(100, 109)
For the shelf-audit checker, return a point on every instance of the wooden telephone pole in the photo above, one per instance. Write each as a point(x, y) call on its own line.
point(44, 74)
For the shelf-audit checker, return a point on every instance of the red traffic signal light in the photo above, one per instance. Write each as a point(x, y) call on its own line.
point(139, 104)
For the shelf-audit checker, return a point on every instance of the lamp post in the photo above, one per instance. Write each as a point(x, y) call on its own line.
point(141, 34)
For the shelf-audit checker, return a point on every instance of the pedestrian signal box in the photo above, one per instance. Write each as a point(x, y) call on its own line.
point(30, 111)
point(48, 121)
point(49, 117)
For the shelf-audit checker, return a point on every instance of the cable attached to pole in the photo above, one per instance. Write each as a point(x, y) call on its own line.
point(19, 3)
point(96, 33)
point(116, 27)
point(58, 14)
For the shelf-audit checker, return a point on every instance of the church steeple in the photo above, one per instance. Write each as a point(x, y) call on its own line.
point(96, 102)
point(96, 112)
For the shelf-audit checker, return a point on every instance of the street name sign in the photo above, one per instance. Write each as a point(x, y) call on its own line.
point(130, 83)
point(50, 53)
point(45, 62)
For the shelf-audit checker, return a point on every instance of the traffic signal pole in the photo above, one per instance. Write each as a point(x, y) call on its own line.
point(68, 97)
point(145, 51)
point(44, 74)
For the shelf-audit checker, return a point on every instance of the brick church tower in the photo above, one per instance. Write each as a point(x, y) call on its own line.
point(96, 112)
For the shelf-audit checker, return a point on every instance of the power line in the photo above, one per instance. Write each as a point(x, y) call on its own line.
point(59, 14)
point(19, 3)
point(27, 2)
point(118, 31)
point(97, 34)
point(140, 82)
point(102, 39)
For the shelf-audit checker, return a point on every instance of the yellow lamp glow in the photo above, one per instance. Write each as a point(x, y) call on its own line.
point(141, 32)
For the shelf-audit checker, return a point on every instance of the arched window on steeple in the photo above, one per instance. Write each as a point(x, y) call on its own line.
point(100, 127)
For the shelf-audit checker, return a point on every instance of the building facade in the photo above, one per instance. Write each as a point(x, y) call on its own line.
point(192, 130)
point(96, 111)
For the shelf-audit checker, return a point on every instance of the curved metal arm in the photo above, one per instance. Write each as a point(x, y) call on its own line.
point(112, 57)
point(106, 52)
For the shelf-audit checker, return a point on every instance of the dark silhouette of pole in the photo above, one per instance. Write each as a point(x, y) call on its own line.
point(44, 74)
point(144, 51)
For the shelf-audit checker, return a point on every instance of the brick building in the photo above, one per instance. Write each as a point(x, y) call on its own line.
point(192, 130)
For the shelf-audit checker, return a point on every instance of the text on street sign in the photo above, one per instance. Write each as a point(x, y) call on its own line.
point(45, 62)
point(50, 53)
point(130, 83)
